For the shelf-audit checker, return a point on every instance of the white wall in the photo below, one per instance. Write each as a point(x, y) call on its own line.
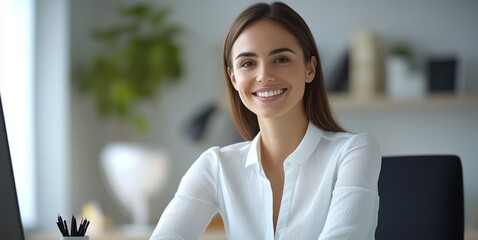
point(431, 27)
point(52, 112)
point(17, 97)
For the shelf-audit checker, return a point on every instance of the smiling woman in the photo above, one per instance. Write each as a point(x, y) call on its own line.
point(315, 96)
point(298, 175)
point(269, 77)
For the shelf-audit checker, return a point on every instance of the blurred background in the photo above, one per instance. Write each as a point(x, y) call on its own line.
point(404, 71)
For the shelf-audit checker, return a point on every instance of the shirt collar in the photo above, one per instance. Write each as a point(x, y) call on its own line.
point(254, 150)
point(305, 149)
point(308, 144)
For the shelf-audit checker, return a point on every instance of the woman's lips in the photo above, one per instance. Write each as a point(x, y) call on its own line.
point(269, 93)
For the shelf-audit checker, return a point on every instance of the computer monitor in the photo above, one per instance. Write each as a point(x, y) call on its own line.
point(10, 220)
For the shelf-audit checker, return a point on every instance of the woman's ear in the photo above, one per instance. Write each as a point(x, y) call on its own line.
point(311, 69)
point(232, 78)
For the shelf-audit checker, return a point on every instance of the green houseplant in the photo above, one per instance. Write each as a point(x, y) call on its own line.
point(137, 56)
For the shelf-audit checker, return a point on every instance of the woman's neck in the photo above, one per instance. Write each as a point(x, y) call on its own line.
point(280, 137)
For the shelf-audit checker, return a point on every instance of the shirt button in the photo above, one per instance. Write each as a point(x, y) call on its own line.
point(288, 164)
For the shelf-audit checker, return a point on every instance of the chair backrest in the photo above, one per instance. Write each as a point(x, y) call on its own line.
point(421, 197)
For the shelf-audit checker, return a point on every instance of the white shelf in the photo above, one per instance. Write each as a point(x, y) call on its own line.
point(342, 102)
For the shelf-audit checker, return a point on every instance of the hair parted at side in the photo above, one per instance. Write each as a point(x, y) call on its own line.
point(316, 102)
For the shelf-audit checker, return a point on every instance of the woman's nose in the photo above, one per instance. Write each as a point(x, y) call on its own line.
point(265, 74)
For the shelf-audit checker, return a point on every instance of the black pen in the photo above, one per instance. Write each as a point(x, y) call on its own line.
point(83, 231)
point(66, 228)
point(86, 227)
point(60, 225)
point(61, 229)
point(80, 228)
point(59, 219)
point(63, 226)
point(73, 226)
point(60, 222)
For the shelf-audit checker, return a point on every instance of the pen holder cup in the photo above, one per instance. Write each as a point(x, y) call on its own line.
point(75, 238)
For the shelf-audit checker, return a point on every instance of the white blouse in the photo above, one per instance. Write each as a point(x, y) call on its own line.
point(330, 191)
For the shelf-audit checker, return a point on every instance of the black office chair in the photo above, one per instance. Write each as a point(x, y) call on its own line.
point(421, 197)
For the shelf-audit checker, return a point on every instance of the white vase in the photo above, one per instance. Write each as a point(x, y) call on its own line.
point(402, 82)
point(134, 173)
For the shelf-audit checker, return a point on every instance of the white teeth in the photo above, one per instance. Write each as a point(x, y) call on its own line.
point(270, 93)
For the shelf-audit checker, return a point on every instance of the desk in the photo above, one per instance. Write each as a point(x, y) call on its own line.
point(471, 234)
point(127, 233)
point(210, 234)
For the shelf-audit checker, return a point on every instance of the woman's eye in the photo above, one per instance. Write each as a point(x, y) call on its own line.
point(281, 60)
point(247, 64)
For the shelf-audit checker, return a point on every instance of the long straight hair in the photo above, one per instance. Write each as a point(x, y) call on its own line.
point(316, 103)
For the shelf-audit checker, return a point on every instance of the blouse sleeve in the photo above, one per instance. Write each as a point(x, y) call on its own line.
point(354, 205)
point(194, 204)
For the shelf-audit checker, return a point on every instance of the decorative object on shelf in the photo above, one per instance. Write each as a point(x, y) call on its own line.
point(138, 56)
point(339, 77)
point(135, 173)
point(365, 65)
point(442, 74)
point(95, 213)
point(402, 81)
point(198, 124)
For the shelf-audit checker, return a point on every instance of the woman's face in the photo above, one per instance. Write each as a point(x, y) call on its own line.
point(269, 71)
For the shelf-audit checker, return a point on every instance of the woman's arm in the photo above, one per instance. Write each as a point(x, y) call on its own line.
point(194, 204)
point(354, 206)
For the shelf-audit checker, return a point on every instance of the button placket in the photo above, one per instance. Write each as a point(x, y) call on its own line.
point(287, 195)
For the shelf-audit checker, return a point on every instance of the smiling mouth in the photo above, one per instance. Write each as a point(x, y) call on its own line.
point(268, 94)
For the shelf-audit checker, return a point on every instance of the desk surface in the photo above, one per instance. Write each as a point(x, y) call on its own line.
point(128, 234)
point(210, 234)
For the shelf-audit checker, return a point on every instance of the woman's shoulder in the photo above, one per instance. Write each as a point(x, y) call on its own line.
point(345, 142)
point(348, 138)
point(235, 148)
point(221, 154)
point(216, 159)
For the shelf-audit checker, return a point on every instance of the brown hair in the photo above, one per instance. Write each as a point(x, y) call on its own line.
point(316, 103)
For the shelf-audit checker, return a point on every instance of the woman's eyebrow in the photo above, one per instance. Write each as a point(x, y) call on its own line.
point(275, 51)
point(280, 50)
point(246, 54)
